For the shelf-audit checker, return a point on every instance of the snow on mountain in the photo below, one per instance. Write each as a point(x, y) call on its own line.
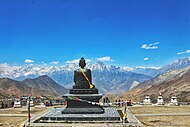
point(111, 78)
point(177, 64)
point(100, 66)
point(145, 70)
point(128, 69)
point(134, 84)
point(174, 82)
point(108, 78)
point(154, 71)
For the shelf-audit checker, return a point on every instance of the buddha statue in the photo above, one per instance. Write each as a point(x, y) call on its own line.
point(82, 76)
point(83, 98)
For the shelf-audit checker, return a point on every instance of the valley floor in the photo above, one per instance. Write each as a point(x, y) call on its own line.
point(159, 116)
point(149, 115)
point(13, 116)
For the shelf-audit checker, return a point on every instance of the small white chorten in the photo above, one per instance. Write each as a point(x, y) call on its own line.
point(174, 100)
point(160, 100)
point(147, 100)
point(17, 103)
point(31, 103)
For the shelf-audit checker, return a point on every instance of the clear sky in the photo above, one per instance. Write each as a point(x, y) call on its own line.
point(128, 32)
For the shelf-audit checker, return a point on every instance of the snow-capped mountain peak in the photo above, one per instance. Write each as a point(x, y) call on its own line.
point(182, 61)
point(128, 68)
point(145, 67)
point(110, 76)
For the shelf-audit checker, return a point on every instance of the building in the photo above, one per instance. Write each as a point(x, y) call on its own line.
point(174, 100)
point(17, 103)
point(160, 100)
point(147, 100)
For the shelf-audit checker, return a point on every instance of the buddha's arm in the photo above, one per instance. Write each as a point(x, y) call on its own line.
point(74, 76)
point(90, 76)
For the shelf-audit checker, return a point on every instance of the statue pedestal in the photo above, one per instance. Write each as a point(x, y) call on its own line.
point(84, 91)
point(55, 116)
point(83, 101)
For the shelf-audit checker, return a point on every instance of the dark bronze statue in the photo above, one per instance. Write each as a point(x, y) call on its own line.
point(82, 76)
point(83, 98)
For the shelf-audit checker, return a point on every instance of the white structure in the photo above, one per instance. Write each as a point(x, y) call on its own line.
point(147, 100)
point(160, 100)
point(17, 103)
point(174, 100)
point(31, 103)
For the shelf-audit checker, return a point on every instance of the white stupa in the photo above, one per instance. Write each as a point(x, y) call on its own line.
point(17, 103)
point(31, 103)
point(147, 100)
point(160, 100)
point(174, 100)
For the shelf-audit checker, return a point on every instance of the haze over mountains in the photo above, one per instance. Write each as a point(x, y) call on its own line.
point(107, 78)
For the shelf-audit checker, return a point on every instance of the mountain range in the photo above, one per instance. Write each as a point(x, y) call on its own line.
point(107, 78)
point(153, 71)
point(40, 86)
point(171, 83)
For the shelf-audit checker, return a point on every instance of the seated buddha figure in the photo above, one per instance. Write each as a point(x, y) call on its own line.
point(82, 76)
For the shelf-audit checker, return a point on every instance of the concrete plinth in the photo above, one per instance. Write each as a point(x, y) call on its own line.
point(110, 115)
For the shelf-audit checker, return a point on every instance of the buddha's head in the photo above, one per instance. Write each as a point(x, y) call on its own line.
point(82, 63)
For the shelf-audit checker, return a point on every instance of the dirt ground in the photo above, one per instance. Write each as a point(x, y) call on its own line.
point(162, 121)
point(5, 120)
point(22, 110)
point(12, 121)
point(148, 121)
point(169, 121)
point(145, 109)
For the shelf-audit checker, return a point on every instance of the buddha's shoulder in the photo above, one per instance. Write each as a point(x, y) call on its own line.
point(84, 69)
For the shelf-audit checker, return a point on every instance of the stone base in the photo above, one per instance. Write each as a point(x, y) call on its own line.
point(84, 91)
point(83, 111)
point(110, 115)
point(86, 97)
point(85, 104)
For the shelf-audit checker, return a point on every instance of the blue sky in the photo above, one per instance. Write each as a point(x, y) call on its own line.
point(123, 32)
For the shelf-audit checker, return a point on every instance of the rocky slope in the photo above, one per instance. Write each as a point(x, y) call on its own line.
point(39, 86)
point(155, 71)
point(12, 87)
point(176, 82)
point(117, 81)
point(177, 64)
